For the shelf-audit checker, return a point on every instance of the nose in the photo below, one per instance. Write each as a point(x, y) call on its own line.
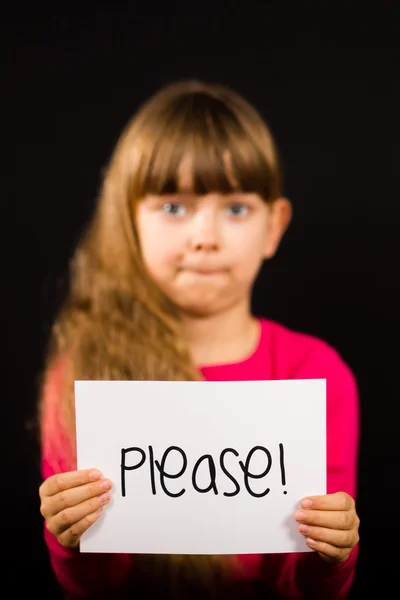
point(204, 234)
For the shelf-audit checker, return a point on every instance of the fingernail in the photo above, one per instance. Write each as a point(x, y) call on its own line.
point(105, 485)
point(299, 515)
point(304, 528)
point(306, 503)
point(94, 474)
point(104, 498)
point(311, 542)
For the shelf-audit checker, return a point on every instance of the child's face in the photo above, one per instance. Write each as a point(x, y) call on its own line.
point(204, 252)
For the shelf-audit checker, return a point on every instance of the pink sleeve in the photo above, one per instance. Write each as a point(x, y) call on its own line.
point(81, 575)
point(306, 575)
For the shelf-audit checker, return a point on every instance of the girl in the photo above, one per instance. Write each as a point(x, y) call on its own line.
point(161, 289)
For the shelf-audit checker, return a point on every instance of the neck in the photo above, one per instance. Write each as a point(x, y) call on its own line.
point(229, 336)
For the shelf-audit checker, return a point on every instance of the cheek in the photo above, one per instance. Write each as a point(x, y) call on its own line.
point(249, 247)
point(160, 249)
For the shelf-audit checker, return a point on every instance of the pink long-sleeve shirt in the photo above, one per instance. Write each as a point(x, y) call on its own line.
point(281, 354)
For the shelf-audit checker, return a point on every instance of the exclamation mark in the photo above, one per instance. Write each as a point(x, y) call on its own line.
point(282, 462)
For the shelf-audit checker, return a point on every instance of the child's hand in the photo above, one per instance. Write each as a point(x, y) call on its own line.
point(331, 525)
point(72, 502)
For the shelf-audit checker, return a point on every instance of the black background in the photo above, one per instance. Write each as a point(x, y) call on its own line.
point(326, 78)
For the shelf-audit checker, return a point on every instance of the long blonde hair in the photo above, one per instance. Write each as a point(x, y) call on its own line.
point(115, 323)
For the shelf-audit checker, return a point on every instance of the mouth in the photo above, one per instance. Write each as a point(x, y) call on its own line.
point(204, 271)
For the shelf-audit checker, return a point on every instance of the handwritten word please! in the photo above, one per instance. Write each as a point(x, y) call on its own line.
point(128, 454)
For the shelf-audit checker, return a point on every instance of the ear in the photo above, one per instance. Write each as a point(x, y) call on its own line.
point(279, 217)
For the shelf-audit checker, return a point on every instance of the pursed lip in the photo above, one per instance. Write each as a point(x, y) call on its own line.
point(204, 270)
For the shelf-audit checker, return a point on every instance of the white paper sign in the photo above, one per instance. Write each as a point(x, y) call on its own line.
point(202, 467)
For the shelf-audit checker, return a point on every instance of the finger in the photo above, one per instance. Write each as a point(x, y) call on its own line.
point(337, 501)
point(328, 552)
point(327, 518)
point(64, 481)
point(68, 518)
point(334, 537)
point(53, 505)
point(71, 537)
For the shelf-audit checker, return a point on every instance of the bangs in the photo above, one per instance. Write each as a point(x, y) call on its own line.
point(199, 144)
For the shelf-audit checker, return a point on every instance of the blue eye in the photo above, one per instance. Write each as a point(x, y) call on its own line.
point(238, 210)
point(173, 208)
